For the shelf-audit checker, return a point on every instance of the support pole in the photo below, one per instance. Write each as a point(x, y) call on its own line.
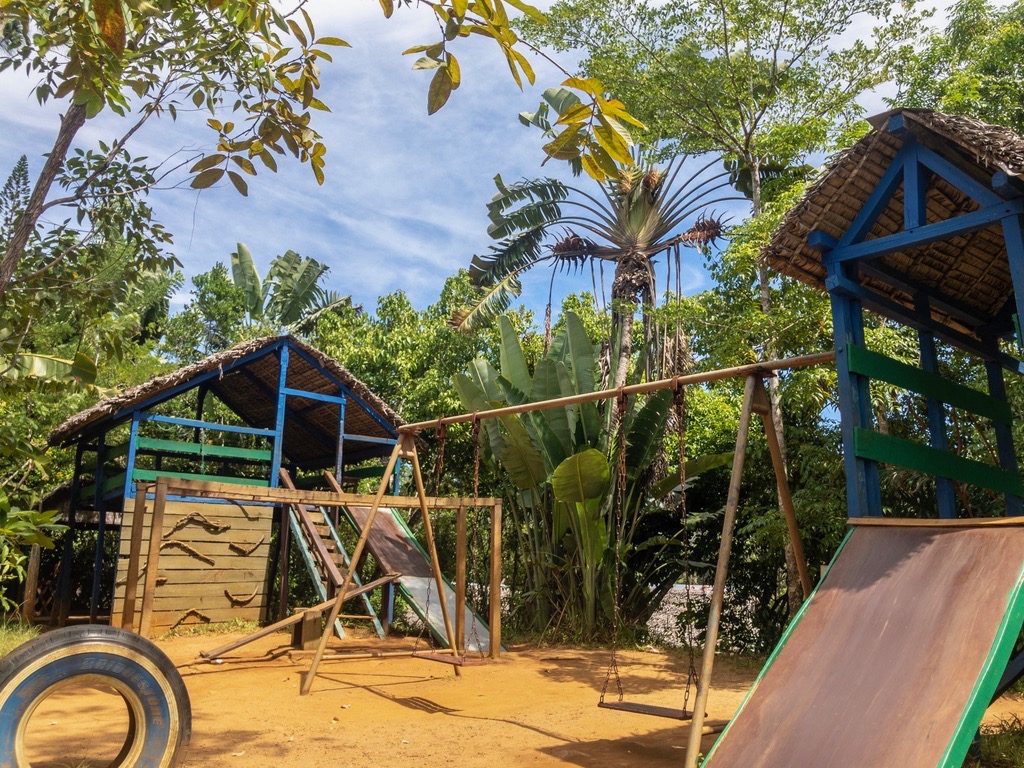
point(28, 605)
point(762, 406)
point(156, 530)
point(495, 590)
point(431, 548)
point(131, 585)
point(721, 572)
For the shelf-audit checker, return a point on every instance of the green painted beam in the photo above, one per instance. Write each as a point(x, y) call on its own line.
point(877, 366)
point(153, 474)
point(887, 449)
point(203, 449)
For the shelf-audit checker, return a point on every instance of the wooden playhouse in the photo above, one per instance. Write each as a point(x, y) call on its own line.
point(235, 419)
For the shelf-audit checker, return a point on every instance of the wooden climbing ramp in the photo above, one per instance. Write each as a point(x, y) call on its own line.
point(896, 655)
point(396, 549)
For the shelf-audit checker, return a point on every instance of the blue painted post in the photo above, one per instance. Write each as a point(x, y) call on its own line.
point(99, 504)
point(863, 492)
point(275, 462)
point(339, 459)
point(129, 469)
point(1004, 435)
point(915, 192)
point(1013, 234)
point(936, 417)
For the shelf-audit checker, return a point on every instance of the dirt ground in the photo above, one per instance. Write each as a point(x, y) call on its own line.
point(533, 707)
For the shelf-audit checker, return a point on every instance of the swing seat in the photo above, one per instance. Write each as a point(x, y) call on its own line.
point(647, 709)
point(447, 658)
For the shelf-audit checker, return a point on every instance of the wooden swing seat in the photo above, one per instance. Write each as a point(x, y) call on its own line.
point(447, 658)
point(647, 709)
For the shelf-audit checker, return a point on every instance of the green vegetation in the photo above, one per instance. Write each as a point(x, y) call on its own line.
point(13, 634)
point(755, 89)
point(1002, 745)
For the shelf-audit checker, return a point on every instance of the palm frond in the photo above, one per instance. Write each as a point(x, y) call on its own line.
point(537, 200)
point(510, 255)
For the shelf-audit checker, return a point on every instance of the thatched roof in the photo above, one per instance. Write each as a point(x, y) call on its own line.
point(970, 271)
point(247, 382)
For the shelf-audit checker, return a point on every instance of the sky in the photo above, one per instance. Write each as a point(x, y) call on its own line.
point(404, 202)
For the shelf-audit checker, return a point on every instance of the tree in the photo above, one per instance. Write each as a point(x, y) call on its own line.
point(639, 210)
point(972, 67)
point(252, 67)
point(764, 83)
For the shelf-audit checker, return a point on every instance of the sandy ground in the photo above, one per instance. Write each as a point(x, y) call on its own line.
point(533, 707)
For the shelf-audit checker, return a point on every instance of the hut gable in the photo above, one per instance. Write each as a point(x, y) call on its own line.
point(969, 166)
point(246, 379)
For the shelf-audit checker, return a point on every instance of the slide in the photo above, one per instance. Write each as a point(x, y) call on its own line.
point(397, 551)
point(895, 657)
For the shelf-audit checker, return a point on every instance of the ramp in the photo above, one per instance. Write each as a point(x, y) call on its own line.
point(894, 659)
point(397, 551)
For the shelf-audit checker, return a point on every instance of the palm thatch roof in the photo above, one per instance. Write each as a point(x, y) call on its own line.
point(246, 380)
point(969, 271)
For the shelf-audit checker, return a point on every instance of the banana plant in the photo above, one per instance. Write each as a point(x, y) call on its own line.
point(570, 524)
point(290, 296)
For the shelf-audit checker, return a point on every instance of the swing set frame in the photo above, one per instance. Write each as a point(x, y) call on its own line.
point(755, 400)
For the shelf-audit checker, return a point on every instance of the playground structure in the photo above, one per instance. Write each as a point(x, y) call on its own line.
point(921, 222)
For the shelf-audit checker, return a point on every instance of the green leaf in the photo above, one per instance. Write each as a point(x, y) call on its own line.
point(581, 477)
point(425, 62)
point(439, 91)
point(512, 359)
point(239, 183)
point(335, 41)
point(207, 162)
point(529, 10)
point(207, 178)
point(245, 276)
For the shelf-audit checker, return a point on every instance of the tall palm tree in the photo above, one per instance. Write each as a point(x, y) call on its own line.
point(633, 220)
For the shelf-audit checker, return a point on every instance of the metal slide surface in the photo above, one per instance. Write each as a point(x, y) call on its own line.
point(397, 551)
point(893, 660)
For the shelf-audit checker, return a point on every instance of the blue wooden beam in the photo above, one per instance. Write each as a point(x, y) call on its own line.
point(863, 490)
point(314, 395)
point(339, 458)
point(1013, 235)
point(929, 233)
point(133, 446)
point(368, 439)
point(348, 393)
point(1005, 449)
point(1007, 186)
point(958, 177)
point(946, 304)
point(915, 191)
point(880, 197)
point(938, 438)
point(282, 379)
point(888, 308)
point(205, 425)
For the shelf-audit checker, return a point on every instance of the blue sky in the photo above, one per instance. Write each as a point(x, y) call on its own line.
point(403, 205)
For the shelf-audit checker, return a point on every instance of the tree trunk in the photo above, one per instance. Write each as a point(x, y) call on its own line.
point(794, 590)
point(632, 276)
point(70, 124)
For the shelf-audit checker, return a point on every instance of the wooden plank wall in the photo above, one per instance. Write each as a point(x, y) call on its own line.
point(213, 564)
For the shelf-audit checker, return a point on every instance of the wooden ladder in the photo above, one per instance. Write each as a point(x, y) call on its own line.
point(325, 556)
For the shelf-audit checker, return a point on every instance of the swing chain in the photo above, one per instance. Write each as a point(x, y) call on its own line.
point(474, 636)
point(621, 402)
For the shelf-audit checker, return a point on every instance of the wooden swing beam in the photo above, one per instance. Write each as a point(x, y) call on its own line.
point(755, 400)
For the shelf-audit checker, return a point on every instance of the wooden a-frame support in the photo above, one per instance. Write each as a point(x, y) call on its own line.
point(405, 449)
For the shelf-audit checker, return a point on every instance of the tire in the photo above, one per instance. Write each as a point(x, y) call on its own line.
point(159, 711)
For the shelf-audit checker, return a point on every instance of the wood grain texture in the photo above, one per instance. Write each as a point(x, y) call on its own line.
point(193, 534)
point(880, 667)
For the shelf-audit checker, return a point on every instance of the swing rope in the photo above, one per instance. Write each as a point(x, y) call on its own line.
point(473, 636)
point(442, 434)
